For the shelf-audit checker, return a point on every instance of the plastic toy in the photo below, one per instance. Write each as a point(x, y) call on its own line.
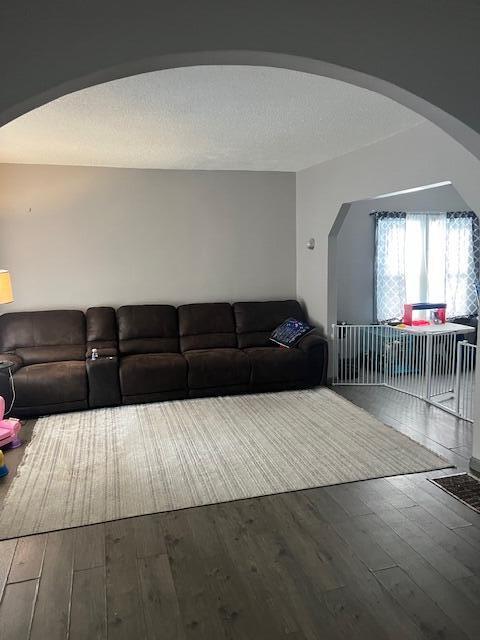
point(3, 466)
point(438, 313)
point(9, 429)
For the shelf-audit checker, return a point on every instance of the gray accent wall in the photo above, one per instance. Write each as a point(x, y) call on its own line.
point(73, 237)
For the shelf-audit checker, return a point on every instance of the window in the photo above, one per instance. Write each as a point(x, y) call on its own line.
point(426, 257)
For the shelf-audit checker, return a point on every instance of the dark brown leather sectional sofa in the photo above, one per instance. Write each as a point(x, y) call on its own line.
point(149, 353)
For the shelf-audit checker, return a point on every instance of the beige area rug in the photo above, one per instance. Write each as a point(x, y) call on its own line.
point(94, 466)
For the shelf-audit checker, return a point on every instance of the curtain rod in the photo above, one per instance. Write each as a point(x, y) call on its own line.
point(372, 213)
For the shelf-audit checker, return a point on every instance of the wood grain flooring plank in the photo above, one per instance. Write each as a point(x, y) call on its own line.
point(432, 427)
point(16, 610)
point(28, 559)
point(210, 593)
point(149, 536)
point(52, 610)
point(238, 610)
point(88, 617)
point(443, 592)
point(470, 534)
point(7, 551)
point(347, 565)
point(433, 505)
point(375, 600)
point(240, 529)
point(447, 500)
point(470, 587)
point(405, 412)
point(364, 547)
point(294, 526)
point(444, 562)
point(328, 509)
point(192, 593)
point(306, 600)
point(160, 604)
point(89, 547)
point(463, 451)
point(378, 494)
point(125, 617)
point(351, 618)
point(347, 498)
point(306, 553)
point(447, 538)
point(418, 606)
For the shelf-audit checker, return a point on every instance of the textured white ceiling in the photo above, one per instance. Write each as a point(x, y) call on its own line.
point(208, 117)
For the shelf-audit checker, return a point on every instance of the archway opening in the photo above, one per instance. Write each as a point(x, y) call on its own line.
point(329, 70)
point(417, 245)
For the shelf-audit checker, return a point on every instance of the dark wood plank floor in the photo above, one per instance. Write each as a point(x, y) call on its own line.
point(392, 558)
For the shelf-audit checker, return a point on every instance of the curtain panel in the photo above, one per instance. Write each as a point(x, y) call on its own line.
point(462, 263)
point(389, 265)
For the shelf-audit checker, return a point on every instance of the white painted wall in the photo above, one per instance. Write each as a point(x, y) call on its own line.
point(422, 155)
point(79, 236)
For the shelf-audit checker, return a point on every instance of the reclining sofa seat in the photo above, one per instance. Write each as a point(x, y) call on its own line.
point(151, 368)
point(272, 367)
point(209, 343)
point(48, 352)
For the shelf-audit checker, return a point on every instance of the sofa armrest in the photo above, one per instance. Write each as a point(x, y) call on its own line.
point(105, 349)
point(316, 348)
point(12, 357)
point(103, 382)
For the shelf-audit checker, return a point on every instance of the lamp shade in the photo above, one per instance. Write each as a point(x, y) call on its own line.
point(6, 294)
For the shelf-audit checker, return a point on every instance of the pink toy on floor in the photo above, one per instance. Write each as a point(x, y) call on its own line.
point(9, 429)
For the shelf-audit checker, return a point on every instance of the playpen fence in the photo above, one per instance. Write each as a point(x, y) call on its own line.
point(438, 368)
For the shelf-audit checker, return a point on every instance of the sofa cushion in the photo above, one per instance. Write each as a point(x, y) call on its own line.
point(147, 328)
point(101, 324)
point(255, 321)
point(152, 372)
point(44, 336)
point(37, 355)
point(217, 368)
point(206, 326)
point(277, 364)
point(50, 384)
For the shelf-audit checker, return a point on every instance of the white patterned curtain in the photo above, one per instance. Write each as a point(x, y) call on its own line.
point(390, 282)
point(426, 257)
point(425, 249)
point(462, 263)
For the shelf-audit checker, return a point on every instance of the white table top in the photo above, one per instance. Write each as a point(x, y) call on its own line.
point(448, 327)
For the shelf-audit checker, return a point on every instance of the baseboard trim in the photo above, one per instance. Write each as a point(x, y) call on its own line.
point(475, 465)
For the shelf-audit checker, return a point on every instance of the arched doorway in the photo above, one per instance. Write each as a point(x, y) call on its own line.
point(50, 53)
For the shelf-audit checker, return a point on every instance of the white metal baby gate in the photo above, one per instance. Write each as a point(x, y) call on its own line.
point(438, 368)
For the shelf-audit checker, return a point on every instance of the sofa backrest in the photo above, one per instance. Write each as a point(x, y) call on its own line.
point(43, 336)
point(147, 328)
point(255, 321)
point(101, 330)
point(206, 326)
